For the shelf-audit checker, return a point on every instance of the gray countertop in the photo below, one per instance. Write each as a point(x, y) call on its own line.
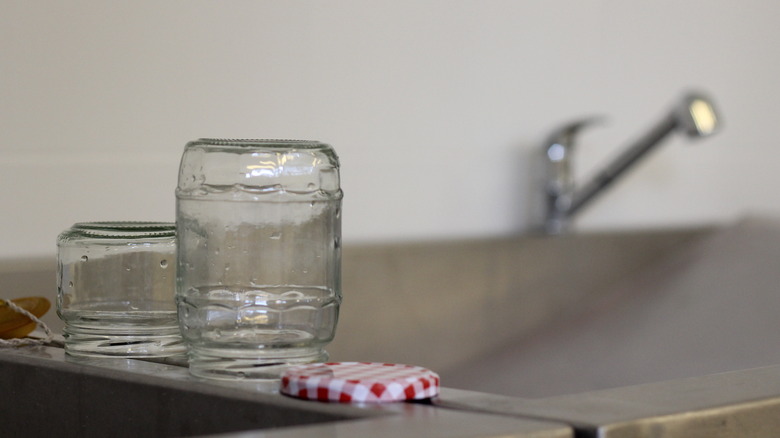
point(734, 404)
point(47, 393)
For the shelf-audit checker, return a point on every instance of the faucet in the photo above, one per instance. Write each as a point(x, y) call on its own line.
point(694, 115)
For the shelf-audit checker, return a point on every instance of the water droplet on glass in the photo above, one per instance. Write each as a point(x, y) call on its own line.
point(163, 264)
point(70, 284)
point(311, 186)
point(84, 258)
point(276, 235)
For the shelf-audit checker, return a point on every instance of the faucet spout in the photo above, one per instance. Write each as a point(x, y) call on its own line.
point(693, 115)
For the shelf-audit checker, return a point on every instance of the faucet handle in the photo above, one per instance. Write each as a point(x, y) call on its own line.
point(564, 136)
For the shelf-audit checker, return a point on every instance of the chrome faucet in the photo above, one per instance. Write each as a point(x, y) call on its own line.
point(694, 115)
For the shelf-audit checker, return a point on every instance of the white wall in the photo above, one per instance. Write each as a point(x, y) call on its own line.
point(433, 106)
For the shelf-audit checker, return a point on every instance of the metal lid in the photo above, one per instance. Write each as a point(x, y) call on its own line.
point(352, 382)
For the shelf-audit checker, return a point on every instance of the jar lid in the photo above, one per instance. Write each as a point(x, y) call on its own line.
point(352, 382)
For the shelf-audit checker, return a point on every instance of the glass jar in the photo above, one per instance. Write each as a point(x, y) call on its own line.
point(116, 285)
point(259, 254)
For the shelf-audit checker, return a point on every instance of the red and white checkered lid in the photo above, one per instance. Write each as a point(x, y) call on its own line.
point(359, 382)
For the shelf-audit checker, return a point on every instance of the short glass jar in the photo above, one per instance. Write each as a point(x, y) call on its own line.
point(116, 284)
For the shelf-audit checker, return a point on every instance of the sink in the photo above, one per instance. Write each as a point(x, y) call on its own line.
point(708, 306)
point(453, 306)
point(538, 316)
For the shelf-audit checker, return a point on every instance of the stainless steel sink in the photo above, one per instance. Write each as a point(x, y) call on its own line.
point(708, 306)
point(536, 316)
point(525, 324)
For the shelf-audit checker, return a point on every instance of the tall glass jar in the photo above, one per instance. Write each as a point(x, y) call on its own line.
point(259, 254)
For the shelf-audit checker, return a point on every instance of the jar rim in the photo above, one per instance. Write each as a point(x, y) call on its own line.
point(125, 229)
point(265, 143)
